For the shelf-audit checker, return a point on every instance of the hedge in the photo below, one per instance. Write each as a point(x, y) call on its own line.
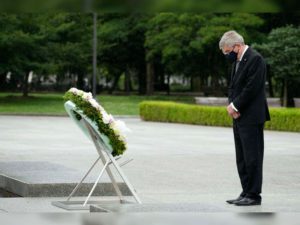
point(282, 119)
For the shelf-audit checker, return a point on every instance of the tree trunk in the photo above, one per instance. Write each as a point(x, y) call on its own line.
point(95, 42)
point(269, 75)
point(115, 84)
point(141, 74)
point(216, 86)
point(127, 81)
point(168, 86)
point(285, 93)
point(2, 81)
point(159, 70)
point(25, 85)
point(73, 80)
point(149, 77)
point(80, 82)
point(270, 86)
point(196, 83)
point(142, 82)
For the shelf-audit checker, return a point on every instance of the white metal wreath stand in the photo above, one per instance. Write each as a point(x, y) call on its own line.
point(107, 161)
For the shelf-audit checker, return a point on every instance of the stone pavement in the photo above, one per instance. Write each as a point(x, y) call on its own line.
point(175, 167)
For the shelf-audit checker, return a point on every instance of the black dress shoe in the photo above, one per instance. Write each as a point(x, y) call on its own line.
point(233, 201)
point(248, 201)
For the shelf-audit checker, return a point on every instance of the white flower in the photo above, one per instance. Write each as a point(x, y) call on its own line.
point(80, 93)
point(99, 107)
point(107, 118)
point(104, 117)
point(87, 96)
point(121, 126)
point(73, 90)
point(113, 125)
point(94, 103)
point(123, 139)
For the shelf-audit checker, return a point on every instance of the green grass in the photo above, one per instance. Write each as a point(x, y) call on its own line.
point(53, 103)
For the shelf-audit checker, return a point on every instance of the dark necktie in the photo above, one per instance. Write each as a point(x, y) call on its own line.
point(237, 63)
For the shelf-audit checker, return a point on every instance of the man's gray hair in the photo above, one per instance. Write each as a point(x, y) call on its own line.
point(230, 38)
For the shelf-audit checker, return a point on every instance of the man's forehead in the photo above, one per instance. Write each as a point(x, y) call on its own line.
point(226, 48)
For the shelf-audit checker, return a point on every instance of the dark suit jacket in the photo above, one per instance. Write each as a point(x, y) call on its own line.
point(247, 89)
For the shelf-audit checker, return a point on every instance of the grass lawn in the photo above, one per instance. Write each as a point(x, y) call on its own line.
point(53, 103)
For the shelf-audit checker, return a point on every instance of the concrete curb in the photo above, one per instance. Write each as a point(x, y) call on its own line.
point(62, 115)
point(26, 189)
point(33, 114)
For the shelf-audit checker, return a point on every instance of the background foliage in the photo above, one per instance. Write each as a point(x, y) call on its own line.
point(147, 52)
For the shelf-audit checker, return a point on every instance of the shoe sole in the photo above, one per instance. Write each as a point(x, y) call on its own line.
point(247, 205)
point(231, 203)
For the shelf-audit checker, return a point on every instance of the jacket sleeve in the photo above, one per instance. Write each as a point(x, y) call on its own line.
point(255, 81)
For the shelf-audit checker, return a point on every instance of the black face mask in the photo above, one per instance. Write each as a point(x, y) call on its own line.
point(231, 57)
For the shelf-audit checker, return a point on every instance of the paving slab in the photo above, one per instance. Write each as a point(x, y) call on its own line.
point(157, 207)
point(173, 163)
point(43, 204)
point(193, 218)
point(29, 177)
point(46, 179)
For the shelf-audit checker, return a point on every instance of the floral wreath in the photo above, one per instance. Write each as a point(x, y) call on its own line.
point(107, 125)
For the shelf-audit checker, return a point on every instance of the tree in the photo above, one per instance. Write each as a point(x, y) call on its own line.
point(188, 43)
point(281, 52)
point(121, 46)
point(168, 42)
point(69, 45)
point(209, 36)
point(7, 25)
point(22, 46)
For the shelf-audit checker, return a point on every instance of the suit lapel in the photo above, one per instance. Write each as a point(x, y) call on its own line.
point(241, 65)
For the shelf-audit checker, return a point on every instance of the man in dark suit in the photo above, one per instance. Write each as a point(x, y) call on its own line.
point(249, 110)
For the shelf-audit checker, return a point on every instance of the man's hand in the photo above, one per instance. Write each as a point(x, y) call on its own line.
point(232, 113)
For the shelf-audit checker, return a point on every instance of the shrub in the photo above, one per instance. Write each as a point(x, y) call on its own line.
point(163, 111)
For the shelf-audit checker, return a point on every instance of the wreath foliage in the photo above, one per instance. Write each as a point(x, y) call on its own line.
point(106, 124)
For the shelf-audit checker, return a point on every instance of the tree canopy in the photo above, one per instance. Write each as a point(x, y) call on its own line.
point(143, 50)
point(281, 52)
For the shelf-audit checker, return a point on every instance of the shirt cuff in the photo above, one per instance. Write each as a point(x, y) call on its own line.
point(232, 105)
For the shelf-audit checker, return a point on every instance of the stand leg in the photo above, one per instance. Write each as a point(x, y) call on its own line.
point(95, 184)
point(94, 136)
point(110, 174)
point(125, 179)
point(78, 185)
point(114, 183)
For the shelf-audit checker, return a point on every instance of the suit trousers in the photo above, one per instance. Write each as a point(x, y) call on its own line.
point(249, 147)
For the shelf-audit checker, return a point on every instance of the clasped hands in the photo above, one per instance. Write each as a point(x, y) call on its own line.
point(232, 113)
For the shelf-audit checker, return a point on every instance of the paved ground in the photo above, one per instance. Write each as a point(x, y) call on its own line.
point(193, 166)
